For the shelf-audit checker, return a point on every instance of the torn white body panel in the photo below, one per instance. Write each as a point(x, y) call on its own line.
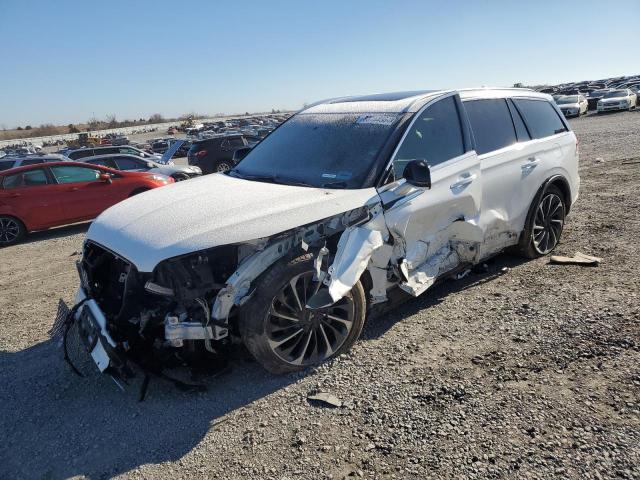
point(355, 249)
point(354, 252)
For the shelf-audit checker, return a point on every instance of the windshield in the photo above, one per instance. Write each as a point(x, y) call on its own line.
point(615, 94)
point(320, 150)
point(567, 99)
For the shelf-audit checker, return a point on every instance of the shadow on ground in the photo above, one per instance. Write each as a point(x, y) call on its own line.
point(58, 232)
point(86, 426)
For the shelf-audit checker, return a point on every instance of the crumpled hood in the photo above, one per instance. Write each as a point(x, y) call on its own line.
point(613, 100)
point(213, 210)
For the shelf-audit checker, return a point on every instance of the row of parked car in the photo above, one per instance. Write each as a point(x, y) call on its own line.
point(605, 95)
point(40, 191)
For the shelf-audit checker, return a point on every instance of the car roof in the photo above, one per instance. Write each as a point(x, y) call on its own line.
point(112, 155)
point(410, 101)
point(50, 156)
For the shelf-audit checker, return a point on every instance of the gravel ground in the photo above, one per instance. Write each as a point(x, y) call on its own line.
point(528, 371)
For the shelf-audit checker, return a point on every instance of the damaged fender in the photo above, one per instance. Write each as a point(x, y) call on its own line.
point(355, 249)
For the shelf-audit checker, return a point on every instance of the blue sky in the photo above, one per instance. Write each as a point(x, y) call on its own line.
point(66, 61)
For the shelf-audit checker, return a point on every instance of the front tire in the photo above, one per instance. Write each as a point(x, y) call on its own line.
point(12, 230)
point(545, 223)
point(282, 334)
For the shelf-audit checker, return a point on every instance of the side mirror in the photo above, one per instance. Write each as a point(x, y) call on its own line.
point(417, 173)
point(105, 177)
point(240, 154)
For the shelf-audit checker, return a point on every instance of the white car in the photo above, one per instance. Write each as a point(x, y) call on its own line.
point(346, 202)
point(572, 105)
point(621, 99)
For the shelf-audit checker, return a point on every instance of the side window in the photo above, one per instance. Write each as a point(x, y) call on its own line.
point(77, 154)
point(6, 165)
point(31, 161)
point(521, 129)
point(435, 136)
point(491, 124)
point(236, 142)
point(30, 178)
point(540, 116)
point(126, 163)
point(74, 174)
point(102, 161)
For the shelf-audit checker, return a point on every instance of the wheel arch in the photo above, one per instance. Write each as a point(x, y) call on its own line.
point(560, 182)
point(27, 227)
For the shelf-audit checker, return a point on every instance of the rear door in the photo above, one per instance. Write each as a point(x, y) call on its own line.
point(435, 228)
point(552, 143)
point(30, 196)
point(503, 148)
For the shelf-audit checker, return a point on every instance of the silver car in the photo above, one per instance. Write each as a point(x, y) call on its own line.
point(137, 164)
point(13, 162)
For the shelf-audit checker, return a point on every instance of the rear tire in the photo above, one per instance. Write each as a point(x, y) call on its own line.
point(545, 222)
point(282, 334)
point(12, 230)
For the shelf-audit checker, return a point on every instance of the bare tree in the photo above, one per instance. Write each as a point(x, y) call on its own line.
point(111, 121)
point(156, 118)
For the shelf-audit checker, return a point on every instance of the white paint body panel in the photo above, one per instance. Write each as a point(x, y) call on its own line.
point(213, 210)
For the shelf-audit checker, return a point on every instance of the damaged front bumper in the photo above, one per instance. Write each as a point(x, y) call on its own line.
point(88, 325)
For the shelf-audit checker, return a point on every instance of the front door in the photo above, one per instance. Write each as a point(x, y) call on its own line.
point(85, 196)
point(435, 229)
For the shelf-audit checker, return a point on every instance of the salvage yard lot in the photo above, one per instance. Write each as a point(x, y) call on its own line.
point(521, 368)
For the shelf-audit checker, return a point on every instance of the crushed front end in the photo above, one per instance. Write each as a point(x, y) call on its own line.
point(154, 320)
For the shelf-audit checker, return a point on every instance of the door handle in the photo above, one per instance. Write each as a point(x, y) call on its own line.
point(464, 180)
point(15, 195)
point(73, 189)
point(532, 162)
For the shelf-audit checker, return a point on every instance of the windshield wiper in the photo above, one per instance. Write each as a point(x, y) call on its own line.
point(274, 178)
point(335, 185)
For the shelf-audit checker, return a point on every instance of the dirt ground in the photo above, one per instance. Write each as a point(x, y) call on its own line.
point(523, 370)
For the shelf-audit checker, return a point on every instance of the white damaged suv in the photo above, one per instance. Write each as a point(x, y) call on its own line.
point(346, 201)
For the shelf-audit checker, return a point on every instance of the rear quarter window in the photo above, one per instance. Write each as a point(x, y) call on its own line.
point(541, 117)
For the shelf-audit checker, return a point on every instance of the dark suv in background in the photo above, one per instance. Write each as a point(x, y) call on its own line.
point(218, 154)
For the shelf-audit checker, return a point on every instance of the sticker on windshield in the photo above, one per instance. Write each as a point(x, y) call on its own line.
point(339, 175)
point(377, 119)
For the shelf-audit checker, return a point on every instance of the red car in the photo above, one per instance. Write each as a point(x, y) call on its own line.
point(41, 196)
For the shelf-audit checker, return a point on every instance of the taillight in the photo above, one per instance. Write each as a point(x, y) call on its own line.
point(201, 153)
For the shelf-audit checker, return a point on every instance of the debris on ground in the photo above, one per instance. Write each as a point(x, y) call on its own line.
point(578, 259)
point(327, 399)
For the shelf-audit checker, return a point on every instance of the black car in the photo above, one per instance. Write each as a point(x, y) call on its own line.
point(594, 97)
point(217, 154)
point(161, 146)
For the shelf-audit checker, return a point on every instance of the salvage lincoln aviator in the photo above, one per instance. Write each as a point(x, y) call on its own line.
point(347, 201)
